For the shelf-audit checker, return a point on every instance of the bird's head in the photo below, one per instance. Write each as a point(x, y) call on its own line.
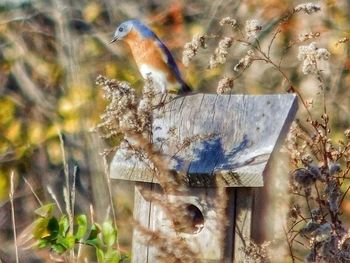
point(126, 27)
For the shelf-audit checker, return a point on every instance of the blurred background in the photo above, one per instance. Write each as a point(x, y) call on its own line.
point(51, 52)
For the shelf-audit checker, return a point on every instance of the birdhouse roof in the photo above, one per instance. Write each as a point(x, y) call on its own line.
point(209, 135)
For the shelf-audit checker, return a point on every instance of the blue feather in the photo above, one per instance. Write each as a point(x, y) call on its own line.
point(172, 64)
point(148, 33)
point(142, 28)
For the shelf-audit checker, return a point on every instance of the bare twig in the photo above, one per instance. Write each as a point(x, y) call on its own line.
point(32, 190)
point(289, 245)
point(106, 172)
point(11, 195)
point(54, 197)
point(272, 40)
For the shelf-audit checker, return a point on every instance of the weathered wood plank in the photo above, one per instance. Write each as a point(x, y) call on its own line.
point(228, 235)
point(241, 133)
point(243, 222)
point(142, 210)
point(207, 240)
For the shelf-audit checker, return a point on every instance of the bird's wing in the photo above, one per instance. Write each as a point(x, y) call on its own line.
point(169, 60)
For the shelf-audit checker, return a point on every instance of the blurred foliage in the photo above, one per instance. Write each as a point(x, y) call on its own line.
point(52, 51)
point(54, 233)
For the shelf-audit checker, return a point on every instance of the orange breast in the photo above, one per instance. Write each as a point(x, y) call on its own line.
point(146, 51)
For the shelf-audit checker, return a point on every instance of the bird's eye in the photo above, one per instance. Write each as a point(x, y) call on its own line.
point(121, 29)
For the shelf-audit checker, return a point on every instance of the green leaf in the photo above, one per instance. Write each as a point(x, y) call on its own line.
point(58, 248)
point(100, 255)
point(64, 225)
point(109, 233)
point(82, 227)
point(53, 227)
point(67, 242)
point(93, 239)
point(96, 242)
point(45, 210)
point(43, 243)
point(40, 228)
point(125, 257)
point(94, 231)
point(112, 256)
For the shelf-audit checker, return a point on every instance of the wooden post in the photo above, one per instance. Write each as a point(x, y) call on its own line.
point(239, 133)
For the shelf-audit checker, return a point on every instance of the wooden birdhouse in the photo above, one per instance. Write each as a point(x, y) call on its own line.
point(238, 135)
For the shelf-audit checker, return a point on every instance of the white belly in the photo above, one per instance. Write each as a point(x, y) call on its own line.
point(158, 77)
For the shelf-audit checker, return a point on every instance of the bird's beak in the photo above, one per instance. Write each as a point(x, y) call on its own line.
point(114, 39)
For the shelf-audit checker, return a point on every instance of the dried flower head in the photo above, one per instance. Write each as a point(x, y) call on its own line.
point(310, 55)
point(315, 171)
point(309, 228)
point(344, 243)
point(220, 54)
point(144, 110)
point(121, 99)
point(334, 168)
point(245, 62)
point(330, 250)
point(294, 212)
point(342, 41)
point(333, 194)
point(304, 177)
point(347, 133)
point(252, 27)
point(228, 21)
point(307, 159)
point(311, 257)
point(323, 232)
point(124, 113)
point(225, 85)
point(257, 252)
point(308, 8)
point(191, 48)
point(307, 36)
point(316, 214)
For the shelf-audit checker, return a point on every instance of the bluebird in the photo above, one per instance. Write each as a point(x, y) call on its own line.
point(151, 56)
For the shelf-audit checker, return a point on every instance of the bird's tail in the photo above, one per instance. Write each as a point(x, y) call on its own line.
point(185, 88)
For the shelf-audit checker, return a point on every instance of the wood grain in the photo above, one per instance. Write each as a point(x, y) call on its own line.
point(240, 132)
point(206, 240)
point(243, 222)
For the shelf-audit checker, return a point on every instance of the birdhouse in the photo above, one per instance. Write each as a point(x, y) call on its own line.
point(238, 136)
